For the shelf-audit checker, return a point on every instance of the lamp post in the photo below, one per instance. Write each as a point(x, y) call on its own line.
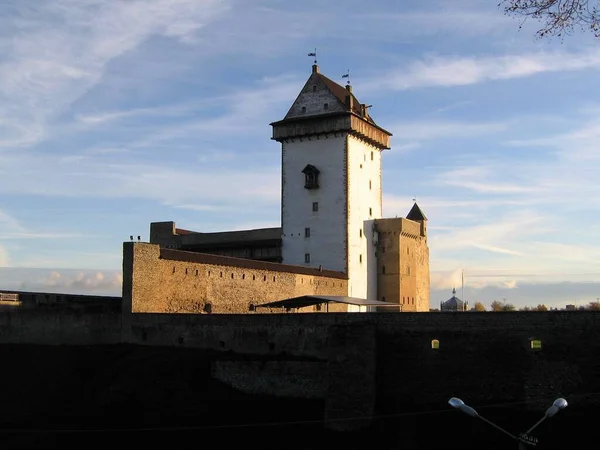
point(523, 438)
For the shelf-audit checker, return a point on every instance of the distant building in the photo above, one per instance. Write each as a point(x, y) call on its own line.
point(454, 303)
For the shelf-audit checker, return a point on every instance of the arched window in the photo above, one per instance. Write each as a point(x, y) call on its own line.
point(435, 344)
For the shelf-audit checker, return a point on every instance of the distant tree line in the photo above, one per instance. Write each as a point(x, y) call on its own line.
point(497, 305)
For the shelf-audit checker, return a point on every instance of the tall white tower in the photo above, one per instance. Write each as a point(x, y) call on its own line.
point(331, 182)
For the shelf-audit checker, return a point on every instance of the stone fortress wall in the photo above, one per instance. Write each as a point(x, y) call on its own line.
point(159, 280)
point(354, 362)
point(403, 264)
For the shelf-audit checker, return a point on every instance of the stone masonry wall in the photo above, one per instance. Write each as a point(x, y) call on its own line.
point(403, 264)
point(422, 279)
point(171, 281)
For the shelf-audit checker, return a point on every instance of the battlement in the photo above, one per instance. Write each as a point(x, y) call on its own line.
point(399, 225)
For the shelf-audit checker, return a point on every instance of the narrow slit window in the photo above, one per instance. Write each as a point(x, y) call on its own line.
point(307, 232)
point(307, 258)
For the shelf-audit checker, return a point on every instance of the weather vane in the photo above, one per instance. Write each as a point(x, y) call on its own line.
point(314, 54)
point(347, 75)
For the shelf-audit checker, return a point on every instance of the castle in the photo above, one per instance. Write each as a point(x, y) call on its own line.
point(333, 243)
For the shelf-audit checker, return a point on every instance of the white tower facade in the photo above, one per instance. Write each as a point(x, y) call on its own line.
point(331, 183)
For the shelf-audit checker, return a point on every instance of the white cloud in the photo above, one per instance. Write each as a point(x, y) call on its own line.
point(76, 282)
point(36, 235)
point(247, 111)
point(89, 177)
point(4, 261)
point(578, 145)
point(490, 233)
point(47, 67)
point(496, 249)
point(458, 279)
point(485, 179)
point(430, 130)
point(453, 70)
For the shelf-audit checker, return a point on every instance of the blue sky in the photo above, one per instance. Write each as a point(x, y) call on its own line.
point(116, 114)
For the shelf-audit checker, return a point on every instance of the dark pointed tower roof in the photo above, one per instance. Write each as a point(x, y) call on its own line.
point(416, 214)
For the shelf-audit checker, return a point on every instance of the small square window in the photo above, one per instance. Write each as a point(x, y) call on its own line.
point(326, 106)
point(315, 206)
point(307, 232)
point(307, 258)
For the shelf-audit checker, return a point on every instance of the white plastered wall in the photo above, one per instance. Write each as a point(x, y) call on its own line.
point(364, 199)
point(327, 242)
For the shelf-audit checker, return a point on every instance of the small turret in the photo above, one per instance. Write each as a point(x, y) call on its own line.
point(416, 215)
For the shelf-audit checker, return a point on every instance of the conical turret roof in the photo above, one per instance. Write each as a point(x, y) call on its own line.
point(416, 214)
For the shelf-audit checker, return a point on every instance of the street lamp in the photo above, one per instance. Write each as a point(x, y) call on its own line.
point(523, 438)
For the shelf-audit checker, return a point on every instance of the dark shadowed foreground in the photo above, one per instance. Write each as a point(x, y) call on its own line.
point(101, 396)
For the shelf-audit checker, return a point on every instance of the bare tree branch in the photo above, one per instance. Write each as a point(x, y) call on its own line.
point(558, 17)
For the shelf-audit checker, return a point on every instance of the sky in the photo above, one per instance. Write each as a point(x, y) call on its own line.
point(115, 114)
